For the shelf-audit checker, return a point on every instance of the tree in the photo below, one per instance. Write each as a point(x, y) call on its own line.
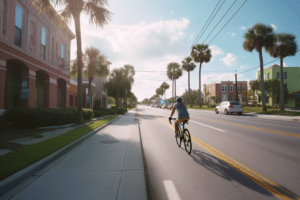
point(159, 91)
point(173, 70)
point(213, 98)
point(94, 65)
point(257, 37)
point(116, 85)
point(188, 66)
point(164, 86)
point(286, 46)
point(200, 53)
point(128, 76)
point(98, 15)
point(254, 85)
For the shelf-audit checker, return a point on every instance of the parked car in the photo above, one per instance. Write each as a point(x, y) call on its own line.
point(165, 106)
point(158, 105)
point(153, 105)
point(228, 107)
point(171, 106)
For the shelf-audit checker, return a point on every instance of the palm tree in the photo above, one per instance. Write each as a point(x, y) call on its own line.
point(164, 87)
point(173, 70)
point(257, 37)
point(286, 46)
point(200, 53)
point(94, 65)
point(188, 66)
point(98, 15)
point(128, 75)
point(117, 80)
point(254, 85)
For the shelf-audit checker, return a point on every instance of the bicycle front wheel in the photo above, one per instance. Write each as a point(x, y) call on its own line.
point(187, 141)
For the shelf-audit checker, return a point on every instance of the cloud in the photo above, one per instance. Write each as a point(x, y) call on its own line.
point(284, 64)
point(232, 34)
point(230, 59)
point(243, 27)
point(172, 12)
point(243, 66)
point(215, 50)
point(274, 27)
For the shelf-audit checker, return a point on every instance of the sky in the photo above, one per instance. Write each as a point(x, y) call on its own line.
point(151, 34)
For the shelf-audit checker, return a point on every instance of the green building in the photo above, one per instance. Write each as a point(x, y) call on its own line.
point(291, 79)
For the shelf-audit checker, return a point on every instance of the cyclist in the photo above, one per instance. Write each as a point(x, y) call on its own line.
point(182, 111)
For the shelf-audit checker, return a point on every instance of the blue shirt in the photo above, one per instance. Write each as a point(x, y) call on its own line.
point(181, 110)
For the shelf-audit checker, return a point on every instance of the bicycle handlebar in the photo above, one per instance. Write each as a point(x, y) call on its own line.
point(171, 119)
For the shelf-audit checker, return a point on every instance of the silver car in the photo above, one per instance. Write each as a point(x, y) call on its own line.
point(228, 107)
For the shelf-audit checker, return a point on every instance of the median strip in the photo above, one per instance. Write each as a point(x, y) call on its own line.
point(257, 178)
point(262, 129)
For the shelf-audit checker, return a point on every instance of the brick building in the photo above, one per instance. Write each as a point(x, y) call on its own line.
point(34, 57)
point(226, 91)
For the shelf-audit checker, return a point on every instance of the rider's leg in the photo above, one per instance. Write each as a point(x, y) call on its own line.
point(178, 121)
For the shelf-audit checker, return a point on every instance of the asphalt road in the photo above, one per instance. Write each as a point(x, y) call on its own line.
point(233, 157)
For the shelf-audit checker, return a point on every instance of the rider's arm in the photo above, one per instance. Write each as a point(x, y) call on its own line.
point(173, 111)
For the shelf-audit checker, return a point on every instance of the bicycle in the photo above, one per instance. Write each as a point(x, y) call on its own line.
point(183, 134)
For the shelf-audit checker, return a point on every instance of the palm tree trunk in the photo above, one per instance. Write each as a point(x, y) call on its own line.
point(281, 84)
point(117, 103)
point(79, 60)
point(190, 91)
point(200, 101)
point(263, 97)
point(175, 90)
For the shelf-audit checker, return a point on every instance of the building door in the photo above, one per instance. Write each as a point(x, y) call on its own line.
point(61, 93)
point(297, 103)
point(13, 86)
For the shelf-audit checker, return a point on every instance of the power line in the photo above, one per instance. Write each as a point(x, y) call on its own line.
point(201, 71)
point(259, 66)
point(203, 27)
point(211, 20)
point(228, 21)
point(219, 21)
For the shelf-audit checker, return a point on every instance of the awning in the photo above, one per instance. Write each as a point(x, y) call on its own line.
point(296, 95)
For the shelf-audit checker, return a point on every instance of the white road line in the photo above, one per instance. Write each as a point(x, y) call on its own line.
point(207, 126)
point(171, 190)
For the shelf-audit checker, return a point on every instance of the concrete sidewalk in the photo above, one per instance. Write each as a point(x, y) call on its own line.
point(108, 165)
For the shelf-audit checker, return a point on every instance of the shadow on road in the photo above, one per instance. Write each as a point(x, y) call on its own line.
point(223, 170)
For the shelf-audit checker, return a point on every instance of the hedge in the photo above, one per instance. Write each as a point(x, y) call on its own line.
point(39, 117)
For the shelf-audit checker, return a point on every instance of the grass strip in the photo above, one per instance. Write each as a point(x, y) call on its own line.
point(279, 112)
point(16, 161)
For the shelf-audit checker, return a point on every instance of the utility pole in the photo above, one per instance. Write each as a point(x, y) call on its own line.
point(125, 101)
point(236, 91)
point(173, 87)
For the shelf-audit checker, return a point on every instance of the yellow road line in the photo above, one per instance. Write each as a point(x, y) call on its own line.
point(259, 179)
point(262, 129)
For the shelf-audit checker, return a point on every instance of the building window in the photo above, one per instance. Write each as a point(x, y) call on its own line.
point(62, 51)
point(18, 26)
point(71, 100)
point(277, 75)
point(268, 75)
point(43, 44)
point(243, 88)
point(231, 88)
point(224, 88)
point(284, 75)
point(231, 98)
point(243, 99)
point(52, 51)
point(238, 88)
point(4, 19)
point(259, 77)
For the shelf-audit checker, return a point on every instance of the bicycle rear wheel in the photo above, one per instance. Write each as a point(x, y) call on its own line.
point(187, 141)
point(178, 139)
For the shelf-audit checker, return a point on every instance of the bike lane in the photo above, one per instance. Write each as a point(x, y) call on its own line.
point(199, 176)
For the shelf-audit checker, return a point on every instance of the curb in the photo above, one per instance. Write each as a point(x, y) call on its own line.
point(12, 181)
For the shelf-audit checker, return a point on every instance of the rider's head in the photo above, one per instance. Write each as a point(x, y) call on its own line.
point(179, 99)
